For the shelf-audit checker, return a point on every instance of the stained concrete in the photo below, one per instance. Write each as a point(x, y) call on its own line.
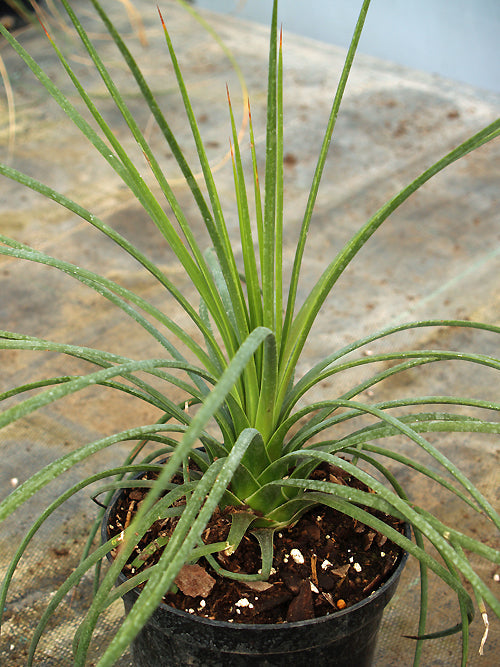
point(438, 257)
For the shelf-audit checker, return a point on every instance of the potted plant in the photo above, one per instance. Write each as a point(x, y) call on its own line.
point(245, 448)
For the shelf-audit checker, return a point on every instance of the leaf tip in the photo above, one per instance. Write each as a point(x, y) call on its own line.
point(161, 17)
point(47, 34)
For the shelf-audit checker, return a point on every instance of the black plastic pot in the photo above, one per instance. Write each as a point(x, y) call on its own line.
point(345, 638)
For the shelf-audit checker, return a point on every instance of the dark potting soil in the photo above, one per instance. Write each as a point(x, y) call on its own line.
point(324, 563)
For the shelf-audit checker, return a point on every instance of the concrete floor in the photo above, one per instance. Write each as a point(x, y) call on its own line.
point(439, 257)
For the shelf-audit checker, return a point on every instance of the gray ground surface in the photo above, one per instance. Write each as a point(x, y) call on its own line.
point(438, 257)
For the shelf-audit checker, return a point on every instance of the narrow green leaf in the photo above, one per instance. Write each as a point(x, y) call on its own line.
point(308, 379)
point(220, 239)
point(37, 186)
point(279, 197)
point(313, 193)
point(247, 242)
point(269, 229)
point(303, 321)
point(266, 409)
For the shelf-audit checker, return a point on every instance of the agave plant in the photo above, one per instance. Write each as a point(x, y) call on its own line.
point(249, 428)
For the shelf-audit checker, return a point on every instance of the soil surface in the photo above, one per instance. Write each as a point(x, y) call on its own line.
point(324, 563)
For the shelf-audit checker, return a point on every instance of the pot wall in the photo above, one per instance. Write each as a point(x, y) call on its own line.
point(344, 639)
